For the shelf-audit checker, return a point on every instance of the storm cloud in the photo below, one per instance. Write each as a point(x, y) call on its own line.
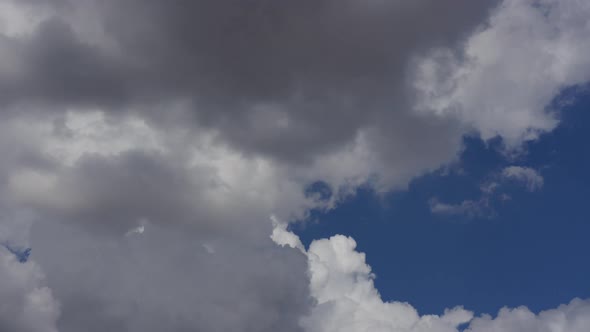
point(270, 77)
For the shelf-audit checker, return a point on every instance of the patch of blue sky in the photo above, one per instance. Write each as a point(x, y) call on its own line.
point(21, 254)
point(533, 251)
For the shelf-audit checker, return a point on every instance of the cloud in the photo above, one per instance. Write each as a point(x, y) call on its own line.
point(504, 79)
point(137, 230)
point(294, 74)
point(208, 248)
point(530, 178)
point(346, 299)
point(342, 284)
point(468, 208)
point(281, 236)
point(27, 304)
point(491, 191)
point(480, 208)
point(22, 255)
point(166, 280)
point(207, 117)
point(571, 317)
point(110, 172)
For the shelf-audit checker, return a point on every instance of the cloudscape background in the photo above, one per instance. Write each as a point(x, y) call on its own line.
point(206, 165)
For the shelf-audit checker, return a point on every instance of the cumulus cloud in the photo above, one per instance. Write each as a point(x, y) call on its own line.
point(502, 82)
point(530, 178)
point(342, 285)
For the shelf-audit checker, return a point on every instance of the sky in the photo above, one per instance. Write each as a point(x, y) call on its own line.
point(305, 166)
point(526, 250)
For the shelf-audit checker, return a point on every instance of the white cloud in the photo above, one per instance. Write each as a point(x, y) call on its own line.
point(504, 79)
point(571, 317)
point(137, 230)
point(281, 236)
point(469, 208)
point(346, 299)
point(341, 282)
point(530, 178)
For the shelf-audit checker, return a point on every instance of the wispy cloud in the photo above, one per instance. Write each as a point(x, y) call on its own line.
point(469, 208)
point(491, 191)
point(527, 176)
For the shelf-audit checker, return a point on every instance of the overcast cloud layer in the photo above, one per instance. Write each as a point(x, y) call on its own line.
point(145, 146)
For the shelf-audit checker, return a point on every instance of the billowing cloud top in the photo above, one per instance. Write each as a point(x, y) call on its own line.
point(145, 144)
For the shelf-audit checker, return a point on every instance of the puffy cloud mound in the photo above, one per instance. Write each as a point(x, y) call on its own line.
point(571, 317)
point(503, 80)
point(347, 300)
point(342, 285)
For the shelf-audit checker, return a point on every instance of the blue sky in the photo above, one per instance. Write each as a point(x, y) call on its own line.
point(532, 250)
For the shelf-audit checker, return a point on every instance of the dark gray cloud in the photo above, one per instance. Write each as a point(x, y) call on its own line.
point(166, 279)
point(27, 305)
point(271, 76)
point(116, 193)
